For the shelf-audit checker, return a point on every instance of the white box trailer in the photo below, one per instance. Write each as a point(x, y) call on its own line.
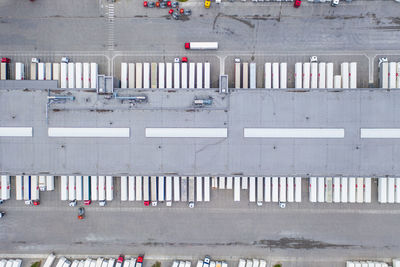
point(146, 75)
point(382, 190)
point(111, 262)
point(221, 184)
point(86, 188)
point(161, 75)
point(282, 189)
point(199, 78)
point(131, 76)
point(19, 71)
point(260, 190)
point(102, 188)
point(392, 75)
point(329, 75)
point(153, 75)
point(390, 189)
point(86, 75)
point(177, 188)
point(131, 188)
point(229, 182)
point(313, 189)
point(177, 76)
point(344, 189)
point(306, 75)
point(344, 71)
point(34, 187)
point(184, 189)
point(146, 188)
point(184, 75)
point(275, 75)
point(192, 77)
point(169, 75)
point(352, 190)
point(71, 75)
point(153, 190)
point(94, 71)
point(49, 71)
point(34, 70)
point(236, 189)
point(321, 189)
point(328, 189)
point(49, 260)
point(27, 187)
point(78, 75)
point(237, 75)
point(161, 188)
point(64, 75)
point(57, 73)
point(297, 190)
point(94, 184)
point(207, 188)
point(290, 189)
point(168, 190)
point(298, 75)
point(267, 189)
point(321, 75)
point(41, 71)
point(5, 187)
point(337, 82)
point(283, 75)
point(253, 75)
point(314, 75)
point(191, 191)
point(353, 75)
point(367, 190)
point(398, 75)
point(109, 188)
point(245, 182)
point(42, 183)
point(124, 75)
point(268, 75)
point(201, 45)
point(124, 188)
point(275, 189)
point(139, 190)
point(252, 189)
point(64, 188)
point(245, 73)
point(397, 190)
point(71, 188)
point(139, 75)
point(336, 189)
point(384, 75)
point(79, 188)
point(19, 187)
point(199, 188)
point(360, 190)
point(4, 71)
point(207, 75)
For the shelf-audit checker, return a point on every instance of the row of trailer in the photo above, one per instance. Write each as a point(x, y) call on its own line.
point(268, 189)
point(252, 263)
point(4, 71)
point(154, 189)
point(68, 75)
point(99, 262)
point(87, 188)
point(246, 74)
point(340, 189)
point(388, 190)
point(10, 263)
point(28, 188)
point(166, 75)
point(389, 75)
point(321, 75)
point(396, 263)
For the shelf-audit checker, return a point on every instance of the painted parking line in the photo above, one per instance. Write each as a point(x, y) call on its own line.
point(16, 132)
point(293, 133)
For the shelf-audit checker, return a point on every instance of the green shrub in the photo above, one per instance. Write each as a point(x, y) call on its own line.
point(157, 264)
point(36, 264)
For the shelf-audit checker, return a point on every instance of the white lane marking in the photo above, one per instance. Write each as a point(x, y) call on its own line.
point(385, 133)
point(187, 132)
point(16, 132)
point(293, 133)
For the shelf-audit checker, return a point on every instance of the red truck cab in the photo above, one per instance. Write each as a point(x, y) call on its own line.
point(297, 3)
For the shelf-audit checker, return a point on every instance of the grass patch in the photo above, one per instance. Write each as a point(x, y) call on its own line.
point(278, 265)
point(157, 264)
point(36, 264)
point(182, 0)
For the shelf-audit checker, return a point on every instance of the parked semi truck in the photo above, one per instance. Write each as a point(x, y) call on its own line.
point(201, 45)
